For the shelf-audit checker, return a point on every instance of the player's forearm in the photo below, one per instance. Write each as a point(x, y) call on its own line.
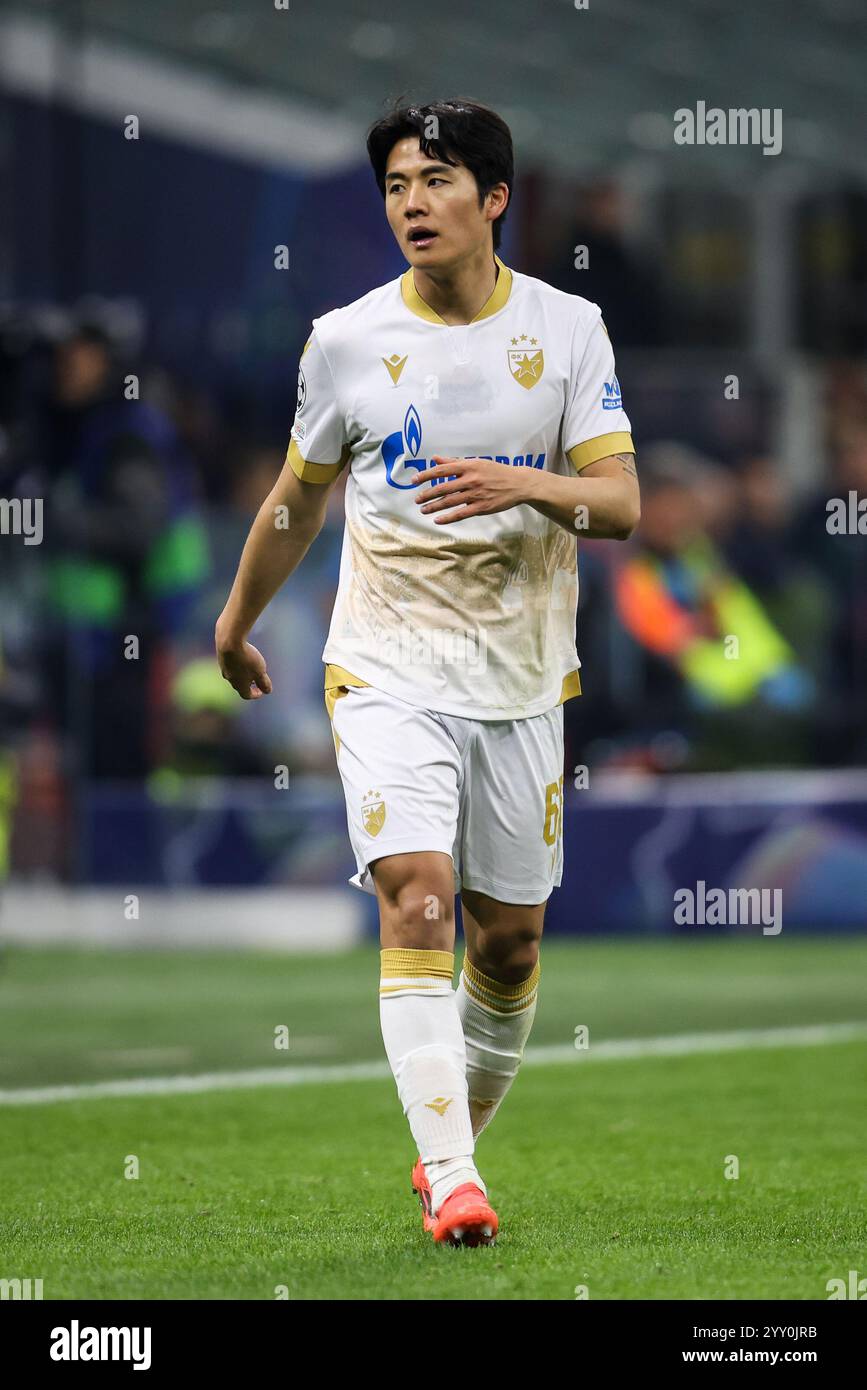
point(599, 508)
point(271, 552)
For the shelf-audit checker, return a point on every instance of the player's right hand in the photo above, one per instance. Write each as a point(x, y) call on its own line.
point(244, 668)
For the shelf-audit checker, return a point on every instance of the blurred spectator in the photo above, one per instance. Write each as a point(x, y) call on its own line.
point(9, 716)
point(612, 277)
point(839, 561)
point(204, 735)
point(713, 666)
point(760, 548)
point(127, 552)
point(34, 821)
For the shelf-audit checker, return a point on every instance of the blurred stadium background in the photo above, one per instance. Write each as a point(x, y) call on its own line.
point(138, 805)
point(155, 257)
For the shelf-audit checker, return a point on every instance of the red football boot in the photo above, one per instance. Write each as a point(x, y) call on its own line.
point(465, 1217)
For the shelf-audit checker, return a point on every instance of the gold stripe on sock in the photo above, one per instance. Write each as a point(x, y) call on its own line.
point(505, 999)
point(400, 961)
point(415, 985)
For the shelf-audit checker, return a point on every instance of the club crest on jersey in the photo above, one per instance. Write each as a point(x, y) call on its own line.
point(526, 361)
point(394, 366)
point(373, 812)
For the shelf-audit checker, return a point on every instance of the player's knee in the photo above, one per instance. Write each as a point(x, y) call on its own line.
point(420, 908)
point(509, 957)
point(420, 914)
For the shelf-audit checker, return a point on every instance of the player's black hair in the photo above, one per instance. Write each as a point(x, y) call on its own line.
point(468, 134)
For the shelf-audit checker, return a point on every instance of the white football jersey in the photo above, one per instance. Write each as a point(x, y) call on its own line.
point(475, 618)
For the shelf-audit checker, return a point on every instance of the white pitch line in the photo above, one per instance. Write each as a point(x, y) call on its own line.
point(617, 1049)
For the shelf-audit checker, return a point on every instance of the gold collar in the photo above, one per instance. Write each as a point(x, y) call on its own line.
point(414, 302)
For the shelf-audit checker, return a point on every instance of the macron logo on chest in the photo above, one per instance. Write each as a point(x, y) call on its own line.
point(524, 363)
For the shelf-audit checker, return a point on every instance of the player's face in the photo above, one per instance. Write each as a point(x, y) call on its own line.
point(433, 208)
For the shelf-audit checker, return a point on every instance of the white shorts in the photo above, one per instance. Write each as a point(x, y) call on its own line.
point(489, 794)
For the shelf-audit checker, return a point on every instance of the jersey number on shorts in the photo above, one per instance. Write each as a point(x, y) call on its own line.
point(553, 812)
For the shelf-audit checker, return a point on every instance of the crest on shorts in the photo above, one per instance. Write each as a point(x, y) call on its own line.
point(526, 361)
point(373, 812)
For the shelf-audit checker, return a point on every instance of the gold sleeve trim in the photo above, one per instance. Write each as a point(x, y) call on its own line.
point(592, 450)
point(310, 472)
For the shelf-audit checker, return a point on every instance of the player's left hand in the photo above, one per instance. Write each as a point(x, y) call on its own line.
point(477, 488)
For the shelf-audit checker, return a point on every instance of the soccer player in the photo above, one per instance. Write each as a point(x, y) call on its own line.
point(479, 416)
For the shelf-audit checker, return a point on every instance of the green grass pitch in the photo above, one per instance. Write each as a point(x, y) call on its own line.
point(607, 1174)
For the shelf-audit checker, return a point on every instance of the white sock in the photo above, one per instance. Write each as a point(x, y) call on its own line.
point(424, 1042)
point(496, 1020)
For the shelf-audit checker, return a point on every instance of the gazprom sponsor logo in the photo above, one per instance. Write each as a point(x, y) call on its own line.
point(611, 399)
point(400, 453)
point(529, 460)
point(412, 431)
